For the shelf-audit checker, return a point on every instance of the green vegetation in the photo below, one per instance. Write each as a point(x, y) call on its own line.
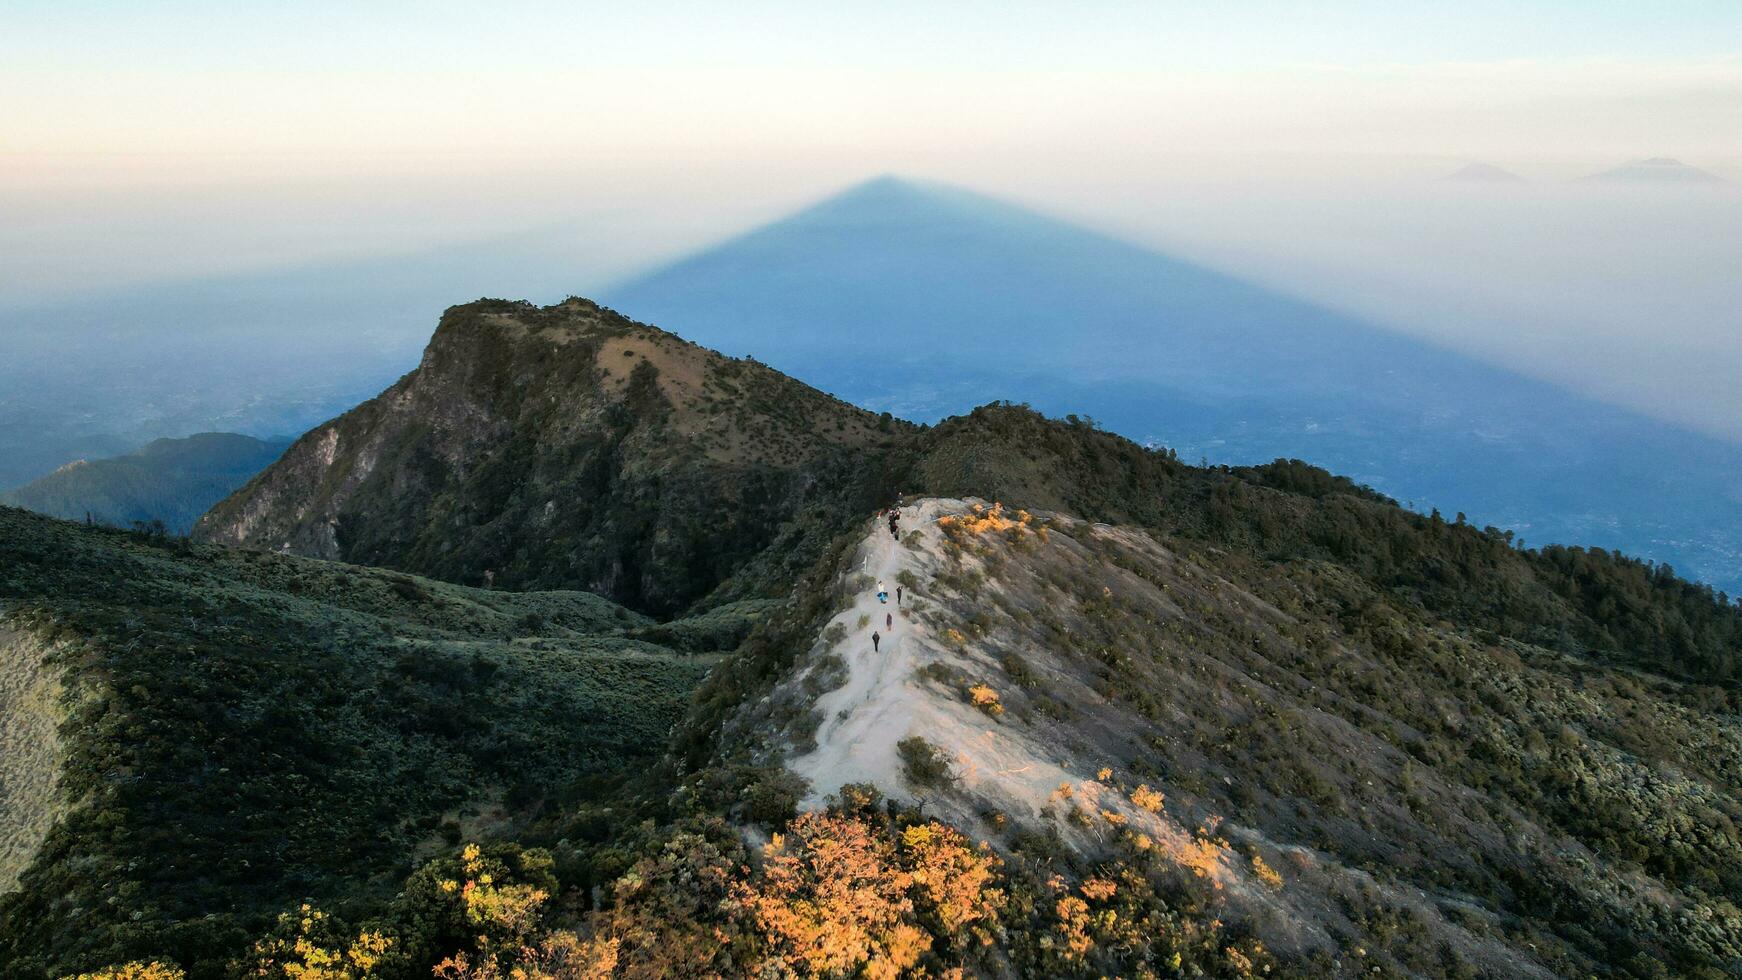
point(1577, 600)
point(250, 730)
point(922, 763)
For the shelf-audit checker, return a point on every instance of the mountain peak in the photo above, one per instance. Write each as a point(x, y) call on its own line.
point(1658, 170)
point(1483, 173)
point(533, 446)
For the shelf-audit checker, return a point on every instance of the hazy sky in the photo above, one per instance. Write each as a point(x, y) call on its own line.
point(1293, 142)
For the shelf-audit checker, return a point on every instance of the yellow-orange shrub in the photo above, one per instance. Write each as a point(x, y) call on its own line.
point(1265, 872)
point(303, 948)
point(986, 699)
point(1148, 799)
point(953, 881)
point(832, 899)
point(135, 971)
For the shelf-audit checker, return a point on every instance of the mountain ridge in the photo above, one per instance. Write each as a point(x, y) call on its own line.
point(1303, 731)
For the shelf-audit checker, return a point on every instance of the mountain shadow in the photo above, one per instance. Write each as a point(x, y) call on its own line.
point(926, 300)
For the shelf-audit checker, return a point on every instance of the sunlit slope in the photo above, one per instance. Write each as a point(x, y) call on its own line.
point(927, 300)
point(1305, 758)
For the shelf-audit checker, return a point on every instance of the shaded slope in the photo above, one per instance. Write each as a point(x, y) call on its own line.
point(927, 300)
point(248, 731)
point(568, 447)
point(171, 480)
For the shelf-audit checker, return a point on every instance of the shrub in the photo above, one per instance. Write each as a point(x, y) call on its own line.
point(1148, 799)
point(922, 763)
point(832, 900)
point(1265, 872)
point(135, 971)
point(308, 944)
point(986, 700)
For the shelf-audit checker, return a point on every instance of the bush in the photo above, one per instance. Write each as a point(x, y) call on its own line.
point(922, 763)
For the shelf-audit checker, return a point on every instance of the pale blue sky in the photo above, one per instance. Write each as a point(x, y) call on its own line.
point(350, 79)
point(1293, 141)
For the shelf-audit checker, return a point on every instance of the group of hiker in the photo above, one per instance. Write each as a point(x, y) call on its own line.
point(888, 617)
point(894, 514)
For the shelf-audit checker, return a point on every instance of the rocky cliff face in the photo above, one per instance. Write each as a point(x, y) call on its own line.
point(566, 447)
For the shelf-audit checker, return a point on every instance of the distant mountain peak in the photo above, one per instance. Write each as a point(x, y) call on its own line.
point(1659, 169)
point(1483, 173)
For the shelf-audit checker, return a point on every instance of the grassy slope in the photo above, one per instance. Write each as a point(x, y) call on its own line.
point(251, 729)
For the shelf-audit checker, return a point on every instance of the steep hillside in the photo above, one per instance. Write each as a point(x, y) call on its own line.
point(567, 447)
point(239, 732)
point(1279, 746)
point(172, 481)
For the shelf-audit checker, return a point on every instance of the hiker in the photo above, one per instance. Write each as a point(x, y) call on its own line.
point(889, 621)
point(898, 595)
point(875, 637)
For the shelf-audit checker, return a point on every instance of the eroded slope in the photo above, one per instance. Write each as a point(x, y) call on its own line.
point(31, 753)
point(1336, 774)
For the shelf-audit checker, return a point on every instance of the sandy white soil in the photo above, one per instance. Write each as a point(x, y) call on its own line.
point(998, 765)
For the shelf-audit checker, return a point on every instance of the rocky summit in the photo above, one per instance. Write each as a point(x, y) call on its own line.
point(563, 447)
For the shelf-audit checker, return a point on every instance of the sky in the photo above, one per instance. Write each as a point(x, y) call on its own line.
point(1293, 142)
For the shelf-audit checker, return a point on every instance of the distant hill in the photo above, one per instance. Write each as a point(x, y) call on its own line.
point(1658, 170)
point(926, 300)
point(1483, 173)
point(260, 352)
point(171, 480)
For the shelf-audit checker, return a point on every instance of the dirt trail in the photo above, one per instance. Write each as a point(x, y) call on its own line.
point(996, 764)
point(877, 707)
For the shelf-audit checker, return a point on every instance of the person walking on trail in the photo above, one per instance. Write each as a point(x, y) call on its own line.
point(889, 621)
point(882, 593)
point(875, 639)
point(898, 595)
